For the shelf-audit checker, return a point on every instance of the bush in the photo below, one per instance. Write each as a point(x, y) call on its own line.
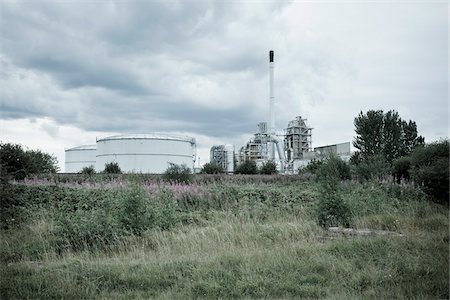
point(88, 170)
point(332, 209)
point(312, 166)
point(133, 209)
point(112, 168)
point(178, 173)
point(401, 168)
point(17, 163)
point(269, 168)
point(212, 168)
point(373, 167)
point(247, 167)
point(430, 170)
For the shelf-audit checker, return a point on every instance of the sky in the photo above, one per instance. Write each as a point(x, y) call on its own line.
point(71, 71)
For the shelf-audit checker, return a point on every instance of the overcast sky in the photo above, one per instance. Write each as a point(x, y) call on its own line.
point(73, 71)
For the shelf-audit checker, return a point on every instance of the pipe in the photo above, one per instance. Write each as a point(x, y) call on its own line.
point(280, 151)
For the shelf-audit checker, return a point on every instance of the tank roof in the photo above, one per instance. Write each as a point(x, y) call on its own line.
point(148, 136)
point(83, 147)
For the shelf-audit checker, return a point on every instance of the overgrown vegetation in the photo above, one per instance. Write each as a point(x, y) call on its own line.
point(242, 237)
point(122, 236)
point(178, 173)
point(247, 167)
point(212, 168)
point(430, 169)
point(88, 170)
point(268, 168)
point(385, 134)
point(332, 209)
point(18, 163)
point(112, 168)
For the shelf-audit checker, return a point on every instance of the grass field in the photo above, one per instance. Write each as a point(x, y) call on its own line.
point(218, 237)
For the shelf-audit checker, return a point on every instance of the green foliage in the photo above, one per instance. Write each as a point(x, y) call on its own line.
point(112, 168)
point(385, 134)
point(212, 168)
point(247, 167)
point(19, 163)
point(332, 209)
point(268, 168)
point(373, 167)
point(334, 164)
point(178, 173)
point(430, 170)
point(401, 168)
point(133, 204)
point(312, 167)
point(252, 237)
point(88, 170)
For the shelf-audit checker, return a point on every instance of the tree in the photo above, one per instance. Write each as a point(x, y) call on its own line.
point(88, 170)
point(247, 167)
point(19, 163)
point(401, 168)
point(332, 209)
point(268, 168)
point(430, 170)
point(212, 168)
point(112, 168)
point(178, 173)
point(386, 134)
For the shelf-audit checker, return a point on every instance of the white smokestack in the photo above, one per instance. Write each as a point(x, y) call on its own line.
point(271, 105)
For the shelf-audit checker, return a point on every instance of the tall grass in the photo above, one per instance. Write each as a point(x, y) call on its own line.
point(149, 239)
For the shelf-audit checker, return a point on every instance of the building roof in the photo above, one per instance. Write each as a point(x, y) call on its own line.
point(148, 136)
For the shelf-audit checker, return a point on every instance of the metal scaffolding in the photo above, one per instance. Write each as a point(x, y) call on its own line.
point(297, 139)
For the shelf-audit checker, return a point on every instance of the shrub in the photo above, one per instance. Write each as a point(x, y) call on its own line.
point(269, 168)
point(88, 170)
point(373, 167)
point(112, 168)
point(212, 168)
point(401, 168)
point(332, 209)
point(133, 209)
point(178, 173)
point(17, 163)
point(312, 166)
point(430, 169)
point(247, 167)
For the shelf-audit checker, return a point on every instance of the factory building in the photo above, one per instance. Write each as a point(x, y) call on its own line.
point(342, 150)
point(257, 148)
point(223, 155)
point(77, 158)
point(297, 139)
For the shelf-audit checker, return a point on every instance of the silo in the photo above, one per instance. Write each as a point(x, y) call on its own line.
point(145, 153)
point(79, 157)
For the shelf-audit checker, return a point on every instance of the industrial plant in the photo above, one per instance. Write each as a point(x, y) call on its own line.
point(293, 147)
point(151, 153)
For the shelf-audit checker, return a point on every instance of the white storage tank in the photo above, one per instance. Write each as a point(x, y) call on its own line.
point(145, 153)
point(77, 158)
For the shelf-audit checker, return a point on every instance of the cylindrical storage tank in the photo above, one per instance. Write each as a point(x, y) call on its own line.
point(229, 150)
point(145, 153)
point(77, 158)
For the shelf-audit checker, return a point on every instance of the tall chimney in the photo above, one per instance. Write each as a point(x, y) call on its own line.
point(271, 105)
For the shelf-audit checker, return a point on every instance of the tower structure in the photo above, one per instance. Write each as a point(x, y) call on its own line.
point(297, 139)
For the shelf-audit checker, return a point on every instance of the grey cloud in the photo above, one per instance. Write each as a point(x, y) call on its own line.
point(202, 67)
